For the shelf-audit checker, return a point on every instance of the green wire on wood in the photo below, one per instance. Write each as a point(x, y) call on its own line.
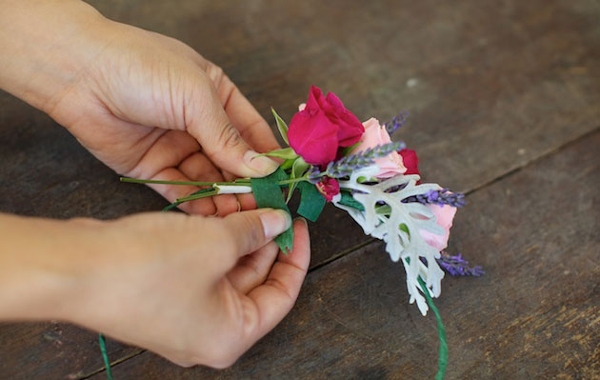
point(443, 352)
point(102, 343)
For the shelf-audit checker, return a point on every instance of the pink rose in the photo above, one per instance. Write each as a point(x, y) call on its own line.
point(374, 135)
point(317, 131)
point(444, 215)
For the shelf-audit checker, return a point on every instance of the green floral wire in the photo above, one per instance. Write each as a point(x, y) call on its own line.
point(443, 351)
point(102, 343)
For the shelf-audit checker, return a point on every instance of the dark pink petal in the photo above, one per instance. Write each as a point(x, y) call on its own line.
point(313, 137)
point(350, 128)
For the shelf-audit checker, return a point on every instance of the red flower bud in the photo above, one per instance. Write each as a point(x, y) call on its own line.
point(329, 187)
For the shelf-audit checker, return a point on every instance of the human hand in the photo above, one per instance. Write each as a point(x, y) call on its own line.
point(146, 105)
point(196, 290)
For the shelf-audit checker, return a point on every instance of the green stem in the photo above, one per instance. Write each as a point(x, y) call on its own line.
point(237, 182)
point(209, 189)
point(198, 195)
point(290, 181)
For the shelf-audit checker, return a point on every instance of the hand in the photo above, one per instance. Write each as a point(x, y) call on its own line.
point(196, 290)
point(147, 105)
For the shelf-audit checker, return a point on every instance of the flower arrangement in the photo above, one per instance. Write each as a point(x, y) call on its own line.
point(335, 158)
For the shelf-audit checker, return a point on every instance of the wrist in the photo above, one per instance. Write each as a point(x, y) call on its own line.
point(44, 49)
point(40, 277)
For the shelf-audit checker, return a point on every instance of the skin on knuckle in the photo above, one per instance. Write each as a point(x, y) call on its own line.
point(228, 139)
point(215, 73)
point(217, 355)
point(250, 234)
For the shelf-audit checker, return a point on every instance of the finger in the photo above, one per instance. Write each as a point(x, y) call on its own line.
point(206, 206)
point(246, 201)
point(185, 163)
point(161, 162)
point(253, 128)
point(248, 231)
point(242, 114)
point(172, 193)
point(207, 121)
point(199, 168)
point(253, 269)
point(276, 297)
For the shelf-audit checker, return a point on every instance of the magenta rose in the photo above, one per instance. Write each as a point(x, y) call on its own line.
point(322, 127)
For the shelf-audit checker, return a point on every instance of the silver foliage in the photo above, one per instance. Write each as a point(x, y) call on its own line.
point(410, 247)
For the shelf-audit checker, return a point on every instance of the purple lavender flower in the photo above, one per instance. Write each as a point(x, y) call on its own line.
point(439, 197)
point(314, 175)
point(397, 122)
point(348, 164)
point(457, 266)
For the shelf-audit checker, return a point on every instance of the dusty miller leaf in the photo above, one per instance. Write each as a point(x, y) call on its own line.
point(400, 228)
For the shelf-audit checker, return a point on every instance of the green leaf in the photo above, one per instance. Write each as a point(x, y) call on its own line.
point(267, 194)
point(348, 200)
point(403, 227)
point(281, 125)
point(299, 168)
point(346, 151)
point(287, 164)
point(285, 153)
point(311, 201)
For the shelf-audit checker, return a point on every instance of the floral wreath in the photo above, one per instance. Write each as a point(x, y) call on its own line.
point(334, 158)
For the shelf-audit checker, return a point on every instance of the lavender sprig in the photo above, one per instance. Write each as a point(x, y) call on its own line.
point(439, 197)
point(397, 122)
point(457, 266)
point(348, 164)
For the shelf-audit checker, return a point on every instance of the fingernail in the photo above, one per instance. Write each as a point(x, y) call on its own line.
point(301, 219)
point(261, 164)
point(275, 222)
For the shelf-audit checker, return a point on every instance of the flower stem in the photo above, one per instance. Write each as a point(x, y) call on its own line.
point(237, 182)
point(198, 195)
point(290, 181)
point(209, 189)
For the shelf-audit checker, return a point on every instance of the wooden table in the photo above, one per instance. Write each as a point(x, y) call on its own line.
point(504, 98)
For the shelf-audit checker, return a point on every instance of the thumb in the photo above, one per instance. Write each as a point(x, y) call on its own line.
point(251, 230)
point(207, 121)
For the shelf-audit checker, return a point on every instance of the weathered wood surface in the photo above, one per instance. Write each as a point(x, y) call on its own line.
point(505, 104)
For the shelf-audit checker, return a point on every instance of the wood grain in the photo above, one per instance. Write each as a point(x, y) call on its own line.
point(535, 313)
point(504, 101)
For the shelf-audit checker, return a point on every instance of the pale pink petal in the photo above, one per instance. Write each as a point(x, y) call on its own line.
point(374, 135)
point(444, 216)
